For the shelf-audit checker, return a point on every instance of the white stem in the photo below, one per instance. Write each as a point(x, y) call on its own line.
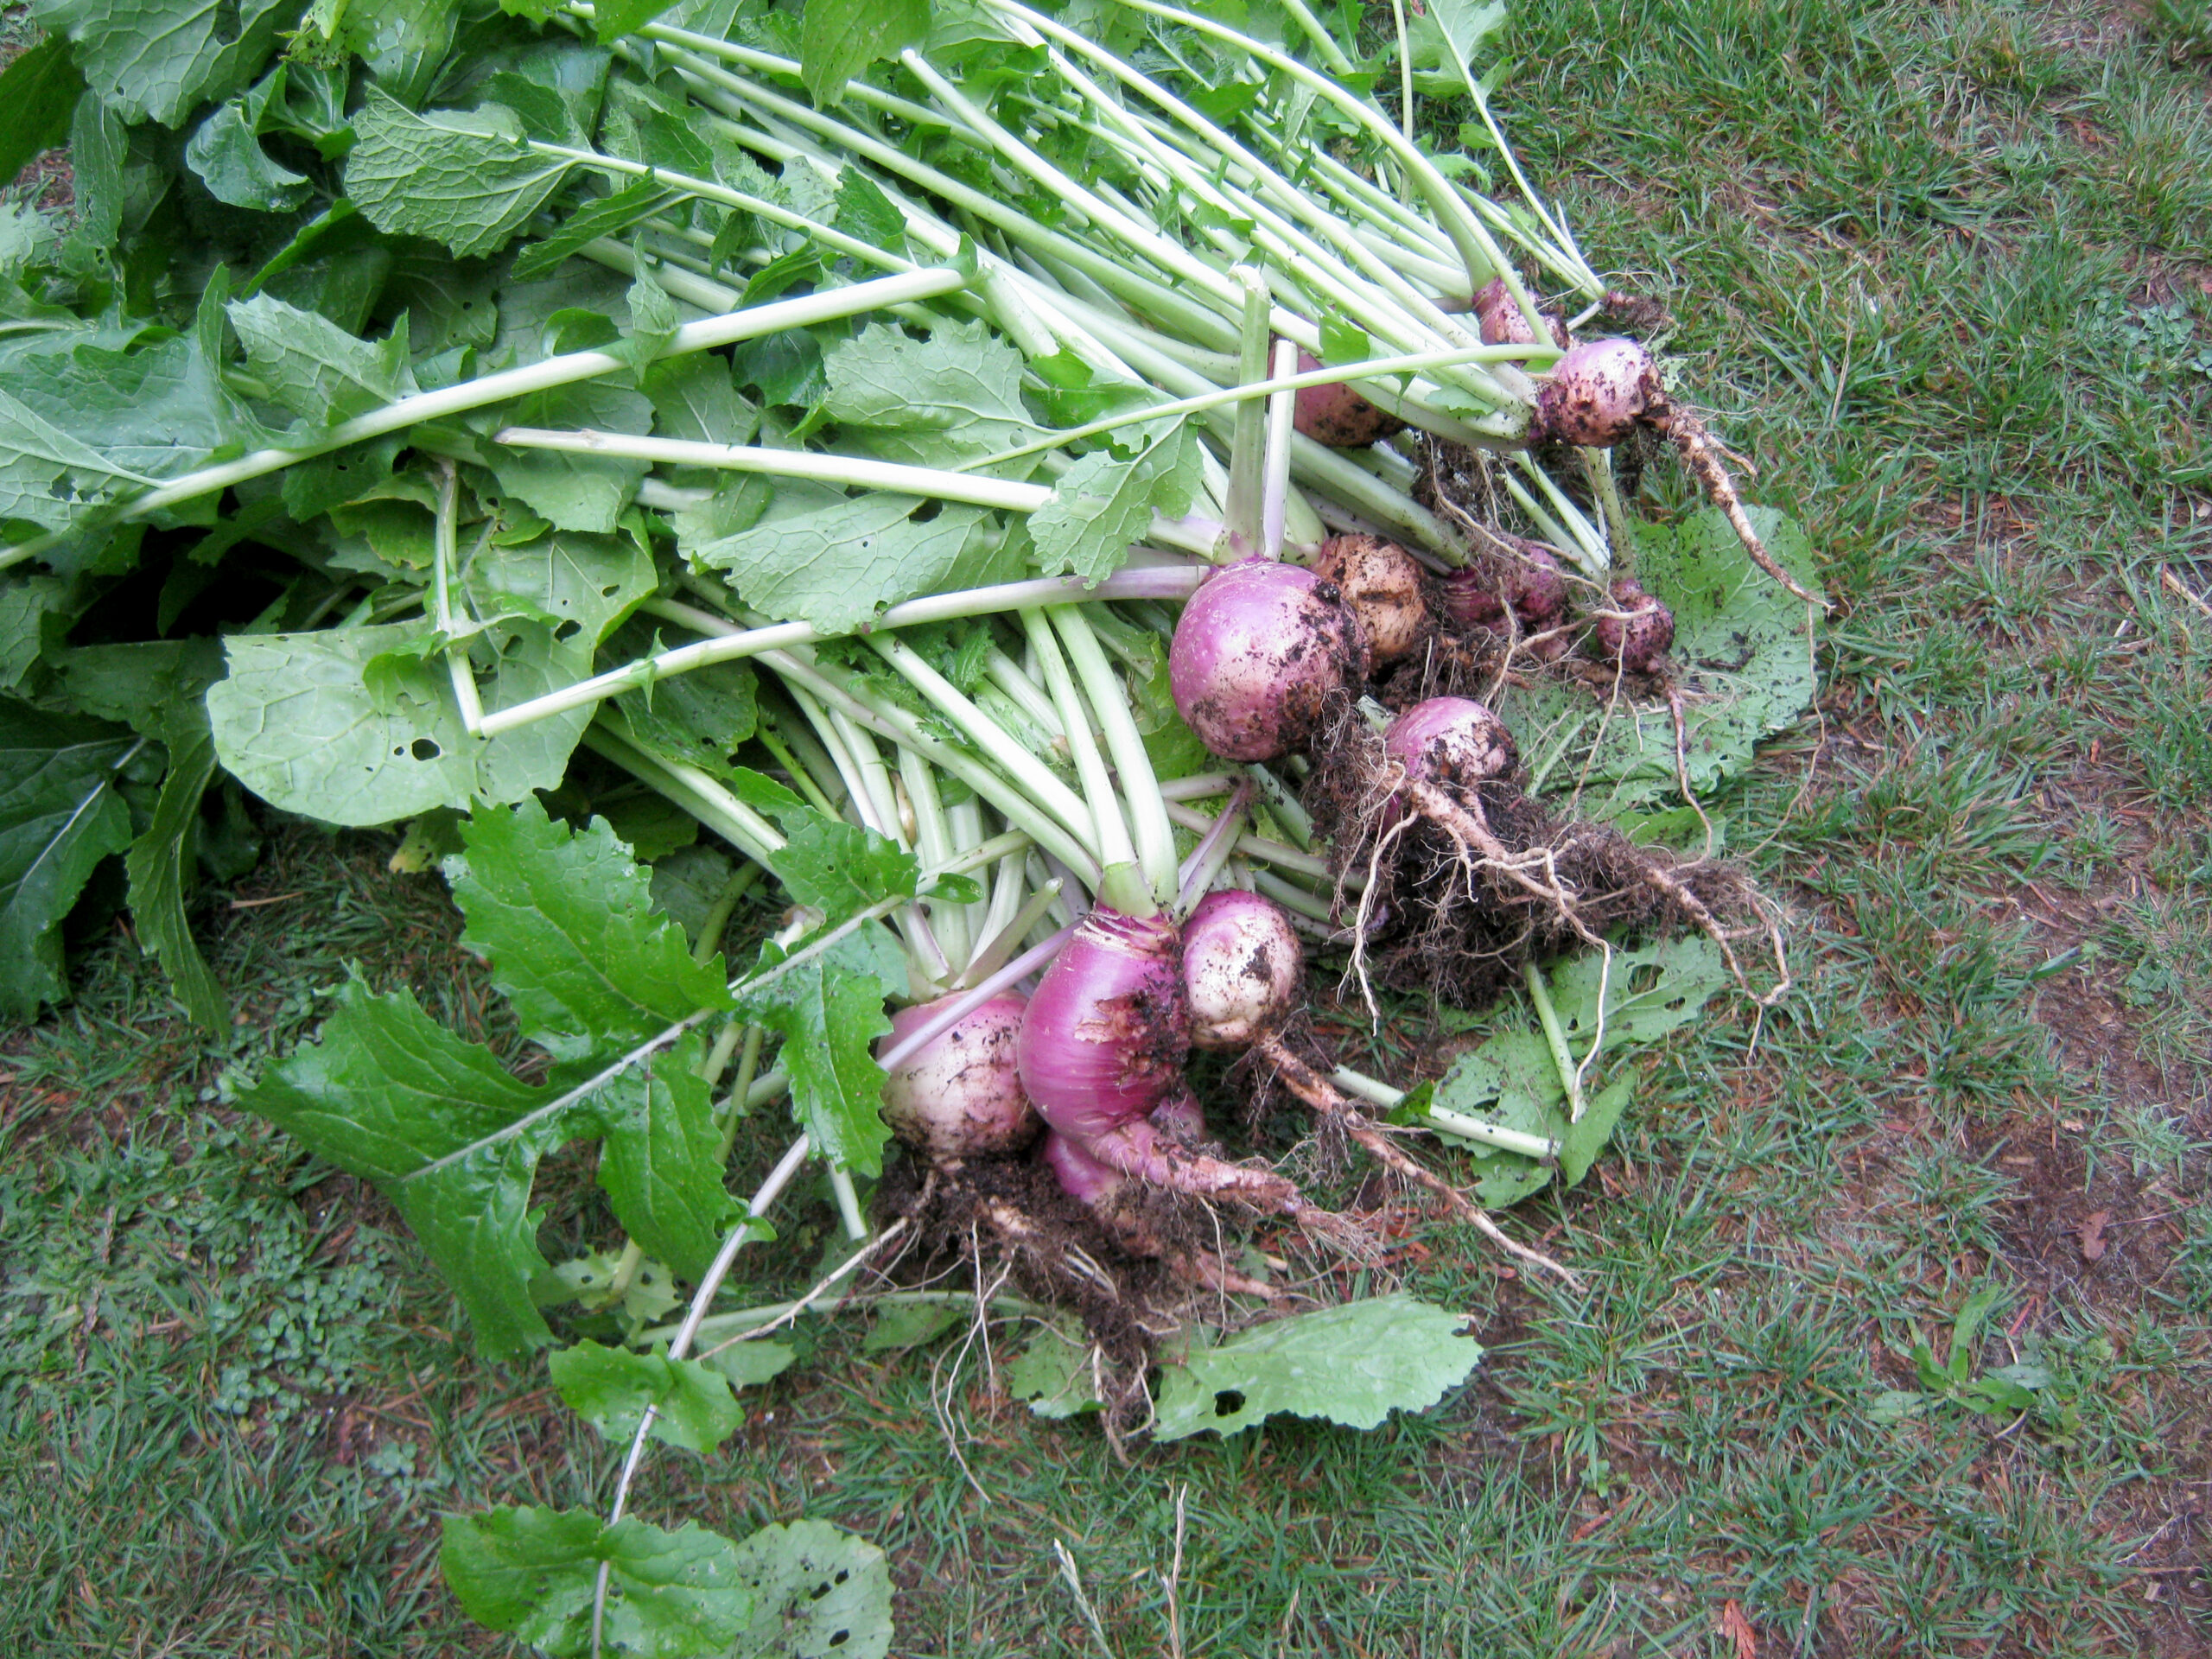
point(731, 643)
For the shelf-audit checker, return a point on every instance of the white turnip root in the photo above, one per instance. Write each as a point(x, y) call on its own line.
point(1386, 590)
point(960, 1095)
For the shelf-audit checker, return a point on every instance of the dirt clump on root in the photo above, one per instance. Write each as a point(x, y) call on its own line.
point(1455, 917)
point(1059, 1252)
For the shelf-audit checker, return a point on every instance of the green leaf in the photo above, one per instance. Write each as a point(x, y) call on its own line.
point(225, 152)
point(694, 397)
point(1511, 1079)
point(445, 1131)
point(1649, 992)
point(837, 38)
point(820, 557)
point(59, 816)
point(610, 1388)
point(1746, 672)
point(1353, 1364)
point(650, 826)
point(821, 1594)
point(34, 613)
point(589, 582)
point(38, 93)
point(566, 919)
point(159, 866)
point(466, 180)
point(687, 883)
point(829, 1019)
point(155, 60)
point(701, 718)
point(1054, 1373)
point(609, 215)
point(662, 1163)
point(314, 367)
point(749, 1364)
point(1106, 501)
point(296, 723)
point(82, 422)
point(948, 397)
point(575, 492)
point(839, 869)
point(866, 215)
point(1444, 37)
point(531, 1573)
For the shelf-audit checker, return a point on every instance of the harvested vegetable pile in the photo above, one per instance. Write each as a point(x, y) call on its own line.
point(1072, 525)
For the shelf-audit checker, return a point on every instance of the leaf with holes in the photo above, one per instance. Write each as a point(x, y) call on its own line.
point(1353, 1364)
point(820, 1594)
point(1745, 672)
point(296, 722)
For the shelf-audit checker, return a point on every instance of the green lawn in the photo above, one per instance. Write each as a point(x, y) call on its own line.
point(1942, 273)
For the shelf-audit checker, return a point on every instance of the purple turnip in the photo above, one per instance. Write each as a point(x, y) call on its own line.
point(1634, 630)
point(1602, 390)
point(1102, 1047)
point(1258, 654)
point(1337, 415)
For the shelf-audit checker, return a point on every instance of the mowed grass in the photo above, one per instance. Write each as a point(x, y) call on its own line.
point(1941, 274)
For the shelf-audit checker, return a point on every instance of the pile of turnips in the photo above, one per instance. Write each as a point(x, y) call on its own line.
point(1118, 500)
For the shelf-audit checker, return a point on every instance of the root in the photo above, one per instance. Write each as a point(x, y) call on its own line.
point(1702, 456)
point(1478, 877)
point(1138, 1149)
point(1317, 1092)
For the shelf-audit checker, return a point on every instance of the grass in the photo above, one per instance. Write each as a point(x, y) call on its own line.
point(1940, 272)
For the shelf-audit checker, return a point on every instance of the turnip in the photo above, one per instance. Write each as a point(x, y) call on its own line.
point(1102, 1047)
point(1258, 654)
point(1242, 967)
point(1634, 630)
point(960, 1094)
point(1385, 589)
point(1602, 390)
point(1501, 322)
point(1337, 416)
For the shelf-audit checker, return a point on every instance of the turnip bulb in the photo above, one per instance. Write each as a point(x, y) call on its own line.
point(1634, 630)
point(1256, 655)
point(1598, 393)
point(960, 1094)
point(1383, 586)
point(1081, 1177)
point(1337, 415)
point(1531, 583)
point(1242, 964)
point(1452, 741)
point(1501, 321)
point(1499, 318)
point(1103, 1040)
point(1181, 1117)
point(1101, 1047)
